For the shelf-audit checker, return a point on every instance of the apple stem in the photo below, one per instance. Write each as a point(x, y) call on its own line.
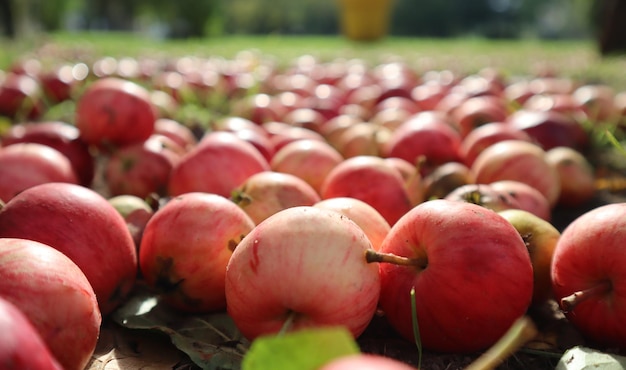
point(374, 256)
point(291, 316)
point(571, 301)
point(522, 331)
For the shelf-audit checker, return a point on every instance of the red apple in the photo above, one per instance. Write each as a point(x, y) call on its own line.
point(576, 174)
point(24, 165)
point(483, 195)
point(218, 164)
point(21, 345)
point(520, 161)
point(176, 131)
point(115, 111)
point(260, 141)
point(310, 160)
point(282, 133)
point(266, 193)
point(598, 102)
point(372, 180)
point(550, 128)
point(55, 296)
point(61, 83)
point(527, 197)
point(477, 111)
point(302, 267)
point(185, 248)
point(83, 225)
point(470, 269)
point(21, 97)
point(426, 134)
point(588, 275)
point(367, 217)
point(365, 361)
point(428, 94)
point(61, 136)
point(142, 169)
point(236, 123)
point(363, 138)
point(327, 101)
point(490, 133)
point(259, 108)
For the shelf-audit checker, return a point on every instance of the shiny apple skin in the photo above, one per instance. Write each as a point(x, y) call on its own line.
point(306, 262)
point(476, 282)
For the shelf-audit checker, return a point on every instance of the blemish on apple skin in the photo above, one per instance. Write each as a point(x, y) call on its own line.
point(254, 262)
point(165, 280)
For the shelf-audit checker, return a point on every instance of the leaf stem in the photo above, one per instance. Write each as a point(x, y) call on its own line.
point(522, 331)
point(416, 329)
point(291, 316)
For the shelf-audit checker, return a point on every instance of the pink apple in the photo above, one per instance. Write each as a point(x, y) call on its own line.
point(367, 217)
point(302, 267)
point(61, 83)
point(426, 134)
point(372, 180)
point(310, 160)
point(520, 161)
point(588, 276)
point(21, 345)
point(259, 108)
point(363, 138)
point(366, 361)
point(218, 164)
point(185, 248)
point(24, 165)
point(282, 133)
point(115, 111)
point(490, 133)
point(266, 193)
point(21, 97)
point(470, 269)
point(142, 169)
point(55, 296)
point(236, 123)
point(83, 225)
point(483, 195)
point(61, 136)
point(598, 102)
point(527, 197)
point(176, 131)
point(577, 175)
point(477, 111)
point(260, 141)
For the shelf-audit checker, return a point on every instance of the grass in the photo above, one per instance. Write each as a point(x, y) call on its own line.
point(576, 59)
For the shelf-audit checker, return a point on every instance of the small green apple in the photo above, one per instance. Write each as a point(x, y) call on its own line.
point(540, 237)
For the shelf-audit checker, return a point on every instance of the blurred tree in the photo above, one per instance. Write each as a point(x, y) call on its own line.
point(611, 17)
point(6, 11)
point(50, 14)
point(115, 15)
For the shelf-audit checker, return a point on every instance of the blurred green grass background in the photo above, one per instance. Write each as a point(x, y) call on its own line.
point(578, 59)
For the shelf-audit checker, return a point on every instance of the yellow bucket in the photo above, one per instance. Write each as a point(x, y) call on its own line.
point(365, 20)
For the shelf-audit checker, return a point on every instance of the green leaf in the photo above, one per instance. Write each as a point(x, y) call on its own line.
point(211, 341)
point(305, 349)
